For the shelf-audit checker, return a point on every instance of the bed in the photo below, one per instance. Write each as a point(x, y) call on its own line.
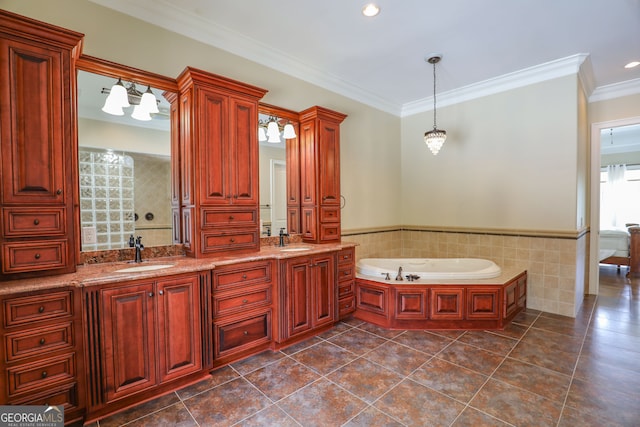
point(614, 247)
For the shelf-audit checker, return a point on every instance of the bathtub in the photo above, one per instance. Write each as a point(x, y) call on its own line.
point(451, 293)
point(430, 268)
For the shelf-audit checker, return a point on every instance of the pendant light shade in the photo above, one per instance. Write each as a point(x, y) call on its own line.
point(140, 113)
point(262, 135)
point(149, 102)
point(289, 131)
point(434, 138)
point(116, 100)
point(273, 132)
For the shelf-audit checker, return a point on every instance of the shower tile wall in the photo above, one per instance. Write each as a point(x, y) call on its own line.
point(107, 197)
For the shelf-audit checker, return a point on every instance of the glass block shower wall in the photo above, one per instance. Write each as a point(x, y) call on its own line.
point(106, 198)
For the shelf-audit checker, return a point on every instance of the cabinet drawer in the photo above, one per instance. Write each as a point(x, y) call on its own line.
point(345, 289)
point(21, 222)
point(66, 395)
point(18, 311)
point(39, 341)
point(222, 242)
point(229, 303)
point(33, 256)
point(345, 273)
point(250, 273)
point(329, 214)
point(242, 334)
point(228, 218)
point(345, 256)
point(330, 231)
point(42, 374)
point(346, 306)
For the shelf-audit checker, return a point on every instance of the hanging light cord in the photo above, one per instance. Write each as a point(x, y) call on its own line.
point(434, 94)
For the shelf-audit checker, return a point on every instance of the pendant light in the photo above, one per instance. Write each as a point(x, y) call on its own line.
point(116, 100)
point(436, 137)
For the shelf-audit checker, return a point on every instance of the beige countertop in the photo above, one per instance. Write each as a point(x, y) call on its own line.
point(110, 272)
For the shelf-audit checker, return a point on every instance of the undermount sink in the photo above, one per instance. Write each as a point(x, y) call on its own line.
point(294, 249)
point(139, 268)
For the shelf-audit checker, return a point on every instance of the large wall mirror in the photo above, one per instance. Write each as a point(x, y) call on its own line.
point(124, 158)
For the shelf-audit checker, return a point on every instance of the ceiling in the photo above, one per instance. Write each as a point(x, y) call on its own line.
point(380, 61)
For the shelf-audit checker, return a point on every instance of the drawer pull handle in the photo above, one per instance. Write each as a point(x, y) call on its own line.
point(244, 301)
point(232, 240)
point(345, 257)
point(44, 374)
point(347, 306)
point(246, 332)
point(231, 218)
point(244, 277)
point(37, 256)
point(59, 191)
point(42, 341)
point(41, 309)
point(36, 221)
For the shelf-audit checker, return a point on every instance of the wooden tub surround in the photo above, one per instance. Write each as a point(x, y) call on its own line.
point(464, 304)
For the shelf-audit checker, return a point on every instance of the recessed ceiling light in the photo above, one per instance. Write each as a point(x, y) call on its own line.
point(370, 10)
point(632, 64)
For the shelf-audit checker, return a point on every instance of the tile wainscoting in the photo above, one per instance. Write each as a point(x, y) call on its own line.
point(557, 262)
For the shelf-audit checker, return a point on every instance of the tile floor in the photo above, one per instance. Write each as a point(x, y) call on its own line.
point(543, 370)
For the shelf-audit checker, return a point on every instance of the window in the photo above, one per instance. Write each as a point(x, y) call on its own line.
point(619, 201)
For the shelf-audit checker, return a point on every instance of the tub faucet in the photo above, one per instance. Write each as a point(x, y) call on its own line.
point(139, 247)
point(399, 276)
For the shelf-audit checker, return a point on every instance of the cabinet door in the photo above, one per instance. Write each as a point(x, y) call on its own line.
point(129, 339)
point(213, 147)
point(180, 348)
point(307, 163)
point(329, 163)
point(323, 287)
point(35, 139)
point(244, 153)
point(298, 296)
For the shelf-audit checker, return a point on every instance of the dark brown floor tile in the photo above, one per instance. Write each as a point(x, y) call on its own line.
point(337, 329)
point(604, 401)
point(546, 383)
point(217, 377)
point(139, 411)
point(617, 356)
point(606, 372)
point(416, 405)
point(281, 378)
point(175, 415)
point(321, 404)
point(553, 340)
point(226, 404)
point(324, 357)
point(471, 357)
point(526, 317)
point(352, 321)
point(357, 341)
point(452, 380)
point(423, 341)
point(365, 379)
point(272, 416)
point(575, 327)
point(625, 327)
point(292, 349)
point(381, 332)
point(488, 341)
point(473, 418)
point(398, 358)
point(371, 417)
point(258, 361)
point(605, 338)
point(516, 406)
point(512, 330)
point(549, 350)
point(574, 418)
point(451, 334)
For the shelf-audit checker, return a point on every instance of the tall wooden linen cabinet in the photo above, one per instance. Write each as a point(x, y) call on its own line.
point(218, 163)
point(38, 147)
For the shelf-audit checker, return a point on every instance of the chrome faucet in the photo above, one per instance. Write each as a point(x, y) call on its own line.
point(399, 276)
point(282, 235)
point(139, 247)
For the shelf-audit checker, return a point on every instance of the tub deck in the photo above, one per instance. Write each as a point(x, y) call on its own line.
point(444, 304)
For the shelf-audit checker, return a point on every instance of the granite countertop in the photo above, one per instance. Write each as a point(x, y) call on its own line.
point(105, 273)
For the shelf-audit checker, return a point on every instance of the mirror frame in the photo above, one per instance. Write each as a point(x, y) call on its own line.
point(293, 164)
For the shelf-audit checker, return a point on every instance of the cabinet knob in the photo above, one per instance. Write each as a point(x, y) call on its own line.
point(59, 191)
point(244, 276)
point(244, 301)
point(37, 256)
point(41, 309)
point(160, 292)
point(42, 341)
point(232, 240)
point(44, 374)
point(246, 332)
point(150, 294)
point(231, 218)
point(36, 221)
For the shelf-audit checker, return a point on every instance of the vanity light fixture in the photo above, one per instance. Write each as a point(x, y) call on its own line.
point(436, 137)
point(273, 130)
point(632, 64)
point(370, 10)
point(120, 97)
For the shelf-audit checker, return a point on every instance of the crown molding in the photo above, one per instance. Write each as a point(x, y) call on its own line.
point(626, 88)
point(538, 73)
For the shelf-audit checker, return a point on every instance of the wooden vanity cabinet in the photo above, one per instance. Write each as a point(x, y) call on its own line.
point(307, 295)
point(320, 174)
point(38, 147)
point(242, 309)
point(346, 282)
point(142, 336)
point(219, 163)
point(41, 355)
